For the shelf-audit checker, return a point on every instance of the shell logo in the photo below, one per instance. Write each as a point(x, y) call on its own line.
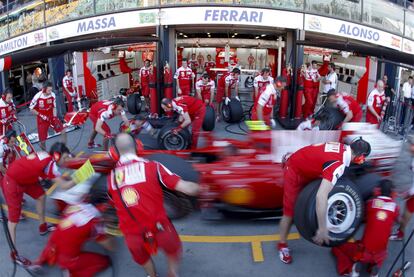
point(130, 196)
point(381, 215)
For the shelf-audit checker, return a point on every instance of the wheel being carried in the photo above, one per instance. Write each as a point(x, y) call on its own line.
point(337, 204)
point(191, 112)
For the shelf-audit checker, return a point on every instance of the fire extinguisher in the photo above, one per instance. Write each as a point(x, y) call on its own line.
point(153, 90)
point(284, 103)
point(168, 82)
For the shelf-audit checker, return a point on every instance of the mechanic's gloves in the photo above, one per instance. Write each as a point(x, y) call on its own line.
point(4, 121)
point(272, 123)
point(43, 117)
point(237, 98)
point(227, 101)
point(175, 131)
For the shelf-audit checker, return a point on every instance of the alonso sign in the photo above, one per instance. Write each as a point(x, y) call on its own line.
point(350, 30)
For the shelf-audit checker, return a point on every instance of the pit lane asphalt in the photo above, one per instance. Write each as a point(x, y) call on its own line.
point(230, 247)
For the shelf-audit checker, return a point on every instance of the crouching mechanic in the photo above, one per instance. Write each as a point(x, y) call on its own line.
point(191, 111)
point(100, 112)
point(347, 104)
point(22, 177)
point(43, 105)
point(80, 224)
point(263, 107)
point(135, 188)
point(381, 213)
point(327, 161)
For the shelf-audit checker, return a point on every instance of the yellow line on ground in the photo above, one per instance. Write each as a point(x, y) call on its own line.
point(35, 216)
point(257, 251)
point(53, 187)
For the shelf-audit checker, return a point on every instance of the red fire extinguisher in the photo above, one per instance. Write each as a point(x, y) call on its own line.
point(284, 103)
point(153, 90)
point(168, 82)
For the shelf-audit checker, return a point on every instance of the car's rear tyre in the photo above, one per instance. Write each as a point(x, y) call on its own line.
point(334, 119)
point(167, 140)
point(209, 119)
point(345, 211)
point(233, 112)
point(134, 104)
point(177, 204)
point(367, 183)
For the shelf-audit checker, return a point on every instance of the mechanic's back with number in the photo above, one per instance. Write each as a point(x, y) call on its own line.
point(327, 160)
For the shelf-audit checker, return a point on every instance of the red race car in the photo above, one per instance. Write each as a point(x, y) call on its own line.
point(246, 177)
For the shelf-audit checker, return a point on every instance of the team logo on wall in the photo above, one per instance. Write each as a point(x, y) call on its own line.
point(407, 47)
point(53, 33)
point(314, 23)
point(145, 18)
point(396, 42)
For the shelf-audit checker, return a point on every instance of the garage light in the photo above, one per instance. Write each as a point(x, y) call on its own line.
point(180, 34)
point(263, 35)
point(235, 34)
point(209, 36)
point(185, 36)
point(232, 36)
point(154, 35)
point(208, 33)
point(257, 37)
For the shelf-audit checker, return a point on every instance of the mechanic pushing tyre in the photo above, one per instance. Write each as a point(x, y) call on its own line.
point(191, 111)
point(327, 161)
point(345, 211)
point(177, 204)
point(210, 119)
point(134, 104)
point(232, 112)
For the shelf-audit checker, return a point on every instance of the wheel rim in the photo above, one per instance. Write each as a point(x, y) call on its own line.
point(341, 213)
point(174, 142)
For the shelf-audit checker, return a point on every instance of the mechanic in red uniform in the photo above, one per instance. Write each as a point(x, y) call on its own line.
point(100, 112)
point(43, 105)
point(311, 88)
point(191, 111)
point(135, 188)
point(263, 107)
point(225, 84)
point(7, 152)
point(375, 103)
point(69, 91)
point(7, 111)
point(327, 161)
point(260, 82)
point(208, 65)
point(80, 224)
point(22, 177)
point(347, 104)
point(205, 89)
point(185, 78)
point(381, 213)
point(144, 78)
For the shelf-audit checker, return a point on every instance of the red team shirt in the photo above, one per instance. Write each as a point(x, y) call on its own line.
point(144, 74)
point(347, 103)
point(188, 104)
point(326, 160)
point(185, 77)
point(382, 213)
point(267, 100)
point(68, 84)
point(375, 100)
point(44, 104)
point(7, 111)
point(103, 110)
point(261, 83)
point(139, 184)
point(205, 89)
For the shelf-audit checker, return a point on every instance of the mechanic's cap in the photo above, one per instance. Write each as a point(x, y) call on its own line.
point(265, 69)
point(236, 70)
point(360, 147)
point(331, 92)
point(205, 76)
point(119, 101)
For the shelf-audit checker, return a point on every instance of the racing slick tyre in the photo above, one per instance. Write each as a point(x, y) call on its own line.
point(367, 183)
point(334, 121)
point(177, 204)
point(209, 119)
point(345, 211)
point(134, 104)
point(233, 112)
point(167, 140)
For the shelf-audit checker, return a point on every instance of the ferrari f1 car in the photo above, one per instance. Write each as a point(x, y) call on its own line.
point(246, 177)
